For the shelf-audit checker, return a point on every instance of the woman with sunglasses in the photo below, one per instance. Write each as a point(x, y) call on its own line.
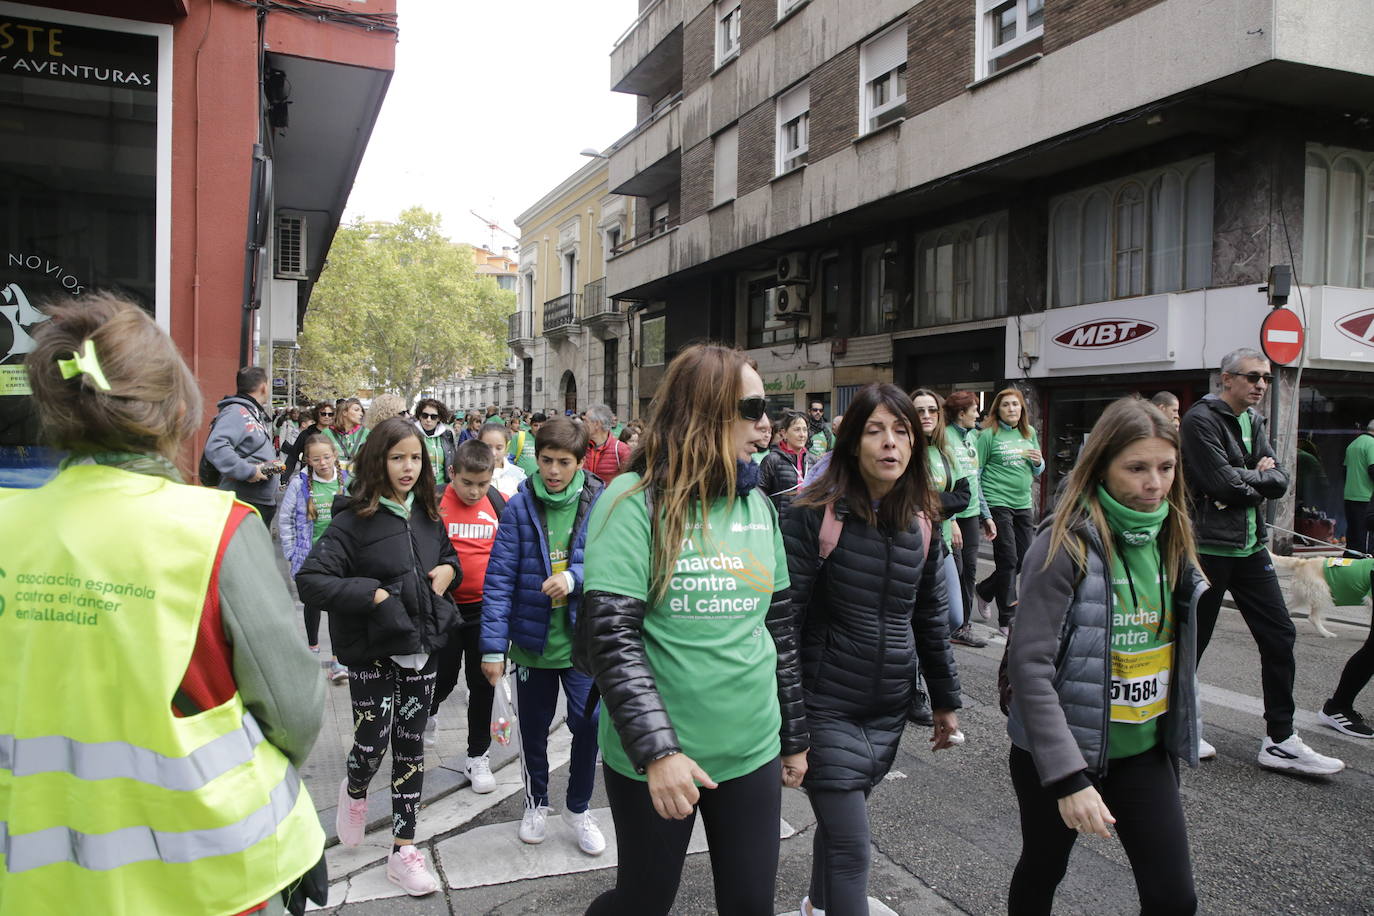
point(691, 640)
point(432, 417)
point(317, 421)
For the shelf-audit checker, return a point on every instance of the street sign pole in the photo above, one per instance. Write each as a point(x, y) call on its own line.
point(1281, 339)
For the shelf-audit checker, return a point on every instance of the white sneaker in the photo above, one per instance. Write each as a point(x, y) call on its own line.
point(809, 909)
point(1205, 751)
point(1292, 756)
point(533, 824)
point(406, 868)
point(984, 607)
point(479, 774)
point(589, 838)
point(431, 731)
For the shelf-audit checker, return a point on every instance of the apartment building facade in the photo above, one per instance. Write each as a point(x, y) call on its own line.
point(1077, 197)
point(569, 338)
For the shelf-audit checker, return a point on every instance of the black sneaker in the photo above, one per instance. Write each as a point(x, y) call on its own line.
point(964, 637)
point(1346, 721)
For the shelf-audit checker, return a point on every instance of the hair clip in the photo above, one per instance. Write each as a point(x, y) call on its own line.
point(85, 362)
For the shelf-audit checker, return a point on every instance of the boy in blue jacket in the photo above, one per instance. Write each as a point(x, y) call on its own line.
point(529, 604)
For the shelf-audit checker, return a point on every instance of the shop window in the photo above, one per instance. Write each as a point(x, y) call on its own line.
point(651, 340)
point(1144, 233)
point(763, 329)
point(725, 150)
point(1009, 31)
point(882, 79)
point(1338, 231)
point(793, 128)
point(879, 287)
point(962, 272)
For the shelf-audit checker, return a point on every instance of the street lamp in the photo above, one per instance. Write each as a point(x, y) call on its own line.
point(594, 154)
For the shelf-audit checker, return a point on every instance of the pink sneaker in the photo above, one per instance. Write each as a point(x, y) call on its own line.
point(350, 818)
point(406, 868)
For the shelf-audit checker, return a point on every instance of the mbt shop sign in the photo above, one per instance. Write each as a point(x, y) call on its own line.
point(1113, 332)
point(1107, 335)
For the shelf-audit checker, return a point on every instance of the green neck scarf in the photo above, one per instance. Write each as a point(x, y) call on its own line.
point(137, 462)
point(1132, 528)
point(403, 510)
point(563, 498)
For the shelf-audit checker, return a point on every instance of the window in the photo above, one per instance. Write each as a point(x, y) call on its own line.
point(1009, 31)
point(793, 128)
point(610, 372)
point(962, 272)
point(569, 271)
point(658, 219)
point(1337, 229)
point(787, 6)
point(882, 79)
point(1141, 234)
point(762, 328)
point(878, 287)
point(612, 240)
point(725, 150)
point(727, 30)
point(651, 341)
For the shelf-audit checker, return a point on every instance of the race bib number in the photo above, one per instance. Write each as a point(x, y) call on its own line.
point(1140, 684)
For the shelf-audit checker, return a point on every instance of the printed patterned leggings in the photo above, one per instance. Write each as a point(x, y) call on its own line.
point(390, 706)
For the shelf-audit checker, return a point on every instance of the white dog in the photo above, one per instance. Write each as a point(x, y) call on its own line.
point(1320, 583)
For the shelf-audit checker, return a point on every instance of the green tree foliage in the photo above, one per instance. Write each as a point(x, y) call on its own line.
point(398, 308)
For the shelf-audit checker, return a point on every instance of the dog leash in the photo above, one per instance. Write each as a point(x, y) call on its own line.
point(1311, 540)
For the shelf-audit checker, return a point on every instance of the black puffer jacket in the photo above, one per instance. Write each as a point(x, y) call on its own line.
point(858, 649)
point(355, 557)
point(1224, 489)
point(778, 477)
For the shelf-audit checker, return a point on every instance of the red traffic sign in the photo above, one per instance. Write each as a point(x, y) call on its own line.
point(1281, 336)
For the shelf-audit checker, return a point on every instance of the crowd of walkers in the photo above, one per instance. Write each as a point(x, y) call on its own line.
point(728, 603)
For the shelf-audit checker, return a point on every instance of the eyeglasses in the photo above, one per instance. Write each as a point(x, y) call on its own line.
point(429, 416)
point(753, 409)
point(1254, 378)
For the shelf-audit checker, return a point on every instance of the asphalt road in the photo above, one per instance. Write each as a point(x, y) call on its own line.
point(945, 827)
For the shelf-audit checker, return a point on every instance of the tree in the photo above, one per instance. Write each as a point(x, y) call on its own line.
point(399, 307)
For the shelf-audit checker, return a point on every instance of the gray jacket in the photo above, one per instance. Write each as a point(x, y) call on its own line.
point(240, 440)
point(1060, 671)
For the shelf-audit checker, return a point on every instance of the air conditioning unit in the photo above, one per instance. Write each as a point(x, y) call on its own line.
point(792, 267)
point(787, 302)
point(289, 248)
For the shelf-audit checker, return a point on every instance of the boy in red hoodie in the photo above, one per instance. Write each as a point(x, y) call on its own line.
point(471, 510)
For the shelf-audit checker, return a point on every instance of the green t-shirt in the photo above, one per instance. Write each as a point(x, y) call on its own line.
point(712, 656)
point(1359, 455)
point(964, 444)
point(1143, 628)
point(1247, 439)
point(322, 493)
point(943, 481)
point(522, 451)
point(560, 511)
point(1006, 471)
point(1348, 580)
point(435, 447)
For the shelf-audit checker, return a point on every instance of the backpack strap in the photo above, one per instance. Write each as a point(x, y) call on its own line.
point(831, 527)
point(923, 521)
point(497, 500)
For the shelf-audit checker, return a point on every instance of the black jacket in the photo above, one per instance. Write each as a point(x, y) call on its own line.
point(874, 606)
point(449, 443)
point(1223, 485)
point(778, 478)
point(614, 629)
point(355, 557)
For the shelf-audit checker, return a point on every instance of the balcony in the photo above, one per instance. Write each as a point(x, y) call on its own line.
point(561, 315)
point(649, 54)
point(649, 159)
point(599, 311)
point(520, 329)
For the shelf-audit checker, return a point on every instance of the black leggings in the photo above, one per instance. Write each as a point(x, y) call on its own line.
point(462, 652)
point(840, 852)
point(1142, 794)
point(1013, 540)
point(741, 818)
point(312, 625)
point(1358, 670)
point(390, 704)
point(966, 559)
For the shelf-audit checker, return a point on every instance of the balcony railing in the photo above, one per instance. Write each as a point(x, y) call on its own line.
point(655, 230)
point(561, 312)
point(595, 302)
point(520, 326)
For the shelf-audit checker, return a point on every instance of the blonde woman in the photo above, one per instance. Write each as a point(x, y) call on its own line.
point(1009, 459)
point(693, 645)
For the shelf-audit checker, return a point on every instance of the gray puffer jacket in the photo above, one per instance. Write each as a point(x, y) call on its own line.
point(1060, 671)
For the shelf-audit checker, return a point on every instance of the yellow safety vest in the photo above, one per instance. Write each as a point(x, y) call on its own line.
point(109, 804)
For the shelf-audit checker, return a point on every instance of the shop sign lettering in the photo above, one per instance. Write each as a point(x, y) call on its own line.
point(1104, 333)
point(790, 382)
point(1358, 326)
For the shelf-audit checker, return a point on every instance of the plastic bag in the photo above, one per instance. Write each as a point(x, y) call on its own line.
point(502, 714)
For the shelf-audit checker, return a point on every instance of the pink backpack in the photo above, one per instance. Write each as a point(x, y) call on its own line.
point(831, 527)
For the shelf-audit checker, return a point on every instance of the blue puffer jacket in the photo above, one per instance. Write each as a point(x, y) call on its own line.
point(514, 610)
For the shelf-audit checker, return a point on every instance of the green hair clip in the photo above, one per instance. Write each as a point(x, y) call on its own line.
point(85, 362)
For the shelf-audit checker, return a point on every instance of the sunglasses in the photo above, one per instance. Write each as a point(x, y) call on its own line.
point(933, 411)
point(1254, 378)
point(326, 413)
point(818, 410)
point(752, 409)
point(429, 416)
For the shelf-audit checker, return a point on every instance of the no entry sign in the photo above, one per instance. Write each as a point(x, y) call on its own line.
point(1281, 336)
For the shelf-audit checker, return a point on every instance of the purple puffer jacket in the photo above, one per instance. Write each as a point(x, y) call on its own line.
point(294, 527)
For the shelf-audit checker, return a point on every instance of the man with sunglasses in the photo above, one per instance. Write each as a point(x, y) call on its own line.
point(822, 437)
point(1230, 470)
